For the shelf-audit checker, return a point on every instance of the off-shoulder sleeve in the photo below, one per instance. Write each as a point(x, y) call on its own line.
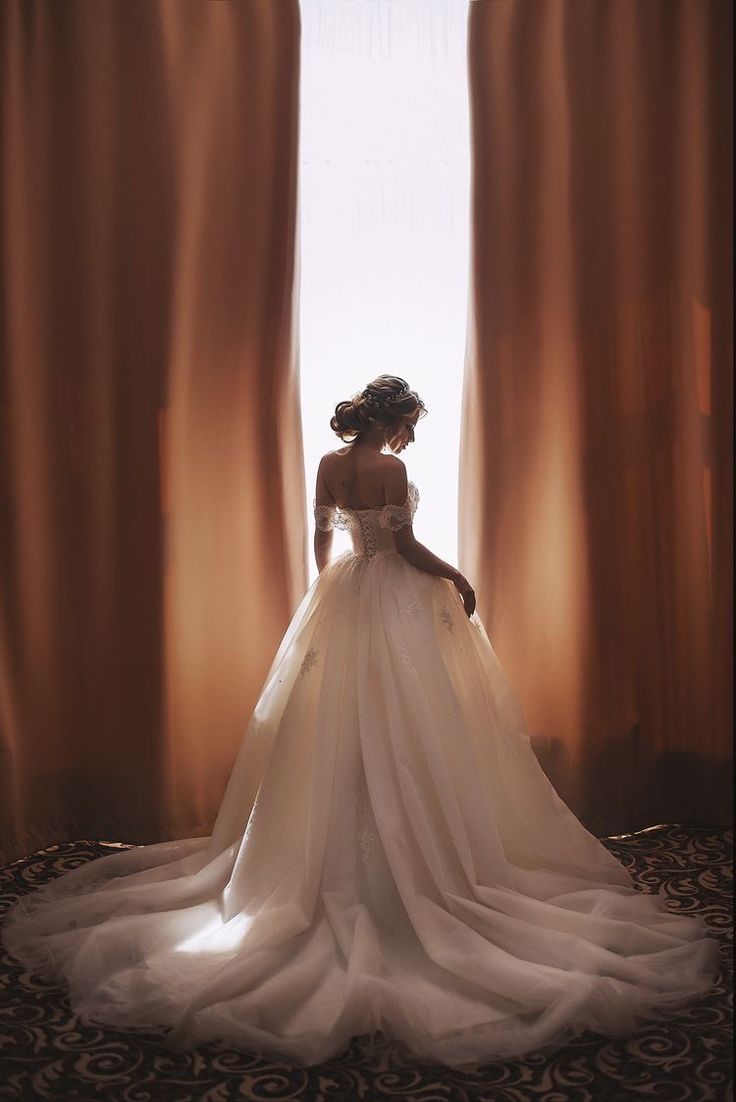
point(398, 516)
point(323, 516)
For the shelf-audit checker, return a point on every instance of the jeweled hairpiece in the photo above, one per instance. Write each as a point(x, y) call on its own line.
point(377, 402)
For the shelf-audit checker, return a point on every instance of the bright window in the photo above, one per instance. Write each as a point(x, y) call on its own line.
point(384, 214)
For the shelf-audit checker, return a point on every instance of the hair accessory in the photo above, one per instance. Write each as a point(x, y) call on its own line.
point(372, 399)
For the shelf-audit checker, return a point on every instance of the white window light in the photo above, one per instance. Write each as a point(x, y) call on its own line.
point(384, 217)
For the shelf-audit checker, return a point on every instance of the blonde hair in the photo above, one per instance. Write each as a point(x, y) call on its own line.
point(381, 403)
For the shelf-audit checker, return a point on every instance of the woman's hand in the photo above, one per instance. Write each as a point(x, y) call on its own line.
point(466, 591)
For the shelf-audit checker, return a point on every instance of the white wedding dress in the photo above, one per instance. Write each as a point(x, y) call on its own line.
point(388, 855)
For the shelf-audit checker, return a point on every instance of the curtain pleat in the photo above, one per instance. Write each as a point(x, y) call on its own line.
point(151, 550)
point(597, 497)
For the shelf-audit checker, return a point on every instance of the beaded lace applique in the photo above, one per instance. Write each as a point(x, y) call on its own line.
point(447, 618)
point(366, 834)
point(332, 516)
point(405, 656)
point(392, 517)
point(309, 660)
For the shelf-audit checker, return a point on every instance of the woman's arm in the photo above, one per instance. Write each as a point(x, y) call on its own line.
point(417, 553)
point(322, 540)
point(420, 556)
point(322, 548)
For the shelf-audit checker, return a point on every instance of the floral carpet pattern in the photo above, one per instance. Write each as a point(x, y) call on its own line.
point(45, 1053)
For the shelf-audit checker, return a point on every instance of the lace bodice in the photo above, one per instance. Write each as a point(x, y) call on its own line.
point(371, 530)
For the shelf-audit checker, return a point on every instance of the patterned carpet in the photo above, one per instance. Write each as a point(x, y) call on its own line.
point(46, 1054)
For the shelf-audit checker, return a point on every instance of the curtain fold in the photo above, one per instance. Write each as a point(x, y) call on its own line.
point(151, 553)
point(597, 498)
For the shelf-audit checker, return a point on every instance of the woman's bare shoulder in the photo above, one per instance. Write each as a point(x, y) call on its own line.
point(327, 461)
point(330, 457)
point(393, 463)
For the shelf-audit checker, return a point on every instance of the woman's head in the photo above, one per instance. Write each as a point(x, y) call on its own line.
point(387, 404)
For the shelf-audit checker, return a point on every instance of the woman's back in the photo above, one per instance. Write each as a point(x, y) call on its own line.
point(356, 477)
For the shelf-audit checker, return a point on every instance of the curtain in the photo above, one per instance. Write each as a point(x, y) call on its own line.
point(151, 554)
point(597, 498)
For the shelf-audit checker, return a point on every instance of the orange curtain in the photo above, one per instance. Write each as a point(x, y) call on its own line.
point(149, 406)
point(597, 496)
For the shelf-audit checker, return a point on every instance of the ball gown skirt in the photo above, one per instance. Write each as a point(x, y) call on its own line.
point(388, 855)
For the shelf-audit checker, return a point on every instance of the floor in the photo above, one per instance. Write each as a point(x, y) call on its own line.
point(46, 1054)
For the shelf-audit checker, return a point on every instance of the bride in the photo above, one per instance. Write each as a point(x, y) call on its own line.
point(388, 854)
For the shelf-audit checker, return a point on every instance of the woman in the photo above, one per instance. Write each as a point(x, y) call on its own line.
point(388, 854)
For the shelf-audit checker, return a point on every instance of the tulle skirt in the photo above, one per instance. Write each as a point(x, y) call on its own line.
point(388, 855)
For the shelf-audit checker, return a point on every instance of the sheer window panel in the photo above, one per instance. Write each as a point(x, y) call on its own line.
point(384, 228)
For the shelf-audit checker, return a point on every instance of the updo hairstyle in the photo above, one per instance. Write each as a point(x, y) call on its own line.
point(381, 403)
